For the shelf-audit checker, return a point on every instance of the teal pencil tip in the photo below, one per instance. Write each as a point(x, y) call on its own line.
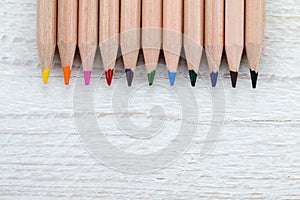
point(193, 77)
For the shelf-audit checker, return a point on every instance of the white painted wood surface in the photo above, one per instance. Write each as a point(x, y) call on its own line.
point(256, 157)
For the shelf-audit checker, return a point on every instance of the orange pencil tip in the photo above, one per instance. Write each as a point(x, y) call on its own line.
point(67, 74)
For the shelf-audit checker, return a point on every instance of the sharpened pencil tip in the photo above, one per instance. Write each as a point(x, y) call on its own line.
point(254, 77)
point(193, 77)
point(172, 77)
point(214, 78)
point(151, 77)
point(234, 76)
point(109, 75)
point(87, 77)
point(129, 76)
point(67, 74)
point(45, 75)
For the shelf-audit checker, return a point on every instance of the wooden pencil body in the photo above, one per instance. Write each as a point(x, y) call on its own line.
point(172, 33)
point(193, 32)
point(88, 32)
point(46, 31)
point(214, 33)
point(255, 29)
point(234, 32)
point(67, 30)
point(151, 32)
point(109, 29)
point(130, 32)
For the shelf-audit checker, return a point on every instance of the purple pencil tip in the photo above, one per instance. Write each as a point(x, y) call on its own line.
point(129, 76)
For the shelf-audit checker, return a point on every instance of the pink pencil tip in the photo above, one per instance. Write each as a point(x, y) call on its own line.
point(87, 77)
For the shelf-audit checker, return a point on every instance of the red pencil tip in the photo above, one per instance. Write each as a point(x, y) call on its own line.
point(109, 75)
point(67, 74)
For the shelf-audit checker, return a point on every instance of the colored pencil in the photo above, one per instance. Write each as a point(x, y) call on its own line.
point(46, 34)
point(172, 35)
point(234, 36)
point(255, 28)
point(67, 34)
point(130, 35)
point(151, 35)
point(214, 36)
point(109, 29)
point(88, 35)
point(193, 36)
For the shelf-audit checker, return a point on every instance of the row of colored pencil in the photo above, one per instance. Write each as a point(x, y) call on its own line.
point(151, 24)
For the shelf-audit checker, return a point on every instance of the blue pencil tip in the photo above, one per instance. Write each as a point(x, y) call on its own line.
point(172, 77)
point(214, 78)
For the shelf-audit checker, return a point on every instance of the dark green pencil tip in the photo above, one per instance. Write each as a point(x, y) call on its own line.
point(254, 76)
point(193, 77)
point(151, 77)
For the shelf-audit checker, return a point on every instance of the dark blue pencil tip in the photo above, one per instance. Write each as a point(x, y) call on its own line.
point(172, 77)
point(254, 76)
point(129, 76)
point(214, 78)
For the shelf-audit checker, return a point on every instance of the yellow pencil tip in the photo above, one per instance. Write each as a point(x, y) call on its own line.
point(45, 75)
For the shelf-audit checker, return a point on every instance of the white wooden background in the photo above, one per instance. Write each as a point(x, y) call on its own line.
point(256, 157)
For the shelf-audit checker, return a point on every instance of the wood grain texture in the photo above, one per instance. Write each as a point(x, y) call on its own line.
point(109, 29)
point(214, 33)
point(256, 157)
point(193, 32)
point(172, 32)
point(88, 32)
point(255, 32)
point(46, 31)
point(130, 25)
point(151, 32)
point(67, 30)
point(234, 32)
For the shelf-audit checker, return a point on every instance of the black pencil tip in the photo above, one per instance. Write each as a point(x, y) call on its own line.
point(254, 76)
point(234, 76)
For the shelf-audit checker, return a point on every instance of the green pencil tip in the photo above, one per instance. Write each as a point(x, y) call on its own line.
point(193, 77)
point(151, 77)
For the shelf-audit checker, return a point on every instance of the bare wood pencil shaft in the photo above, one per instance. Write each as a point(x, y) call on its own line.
point(151, 32)
point(234, 32)
point(67, 30)
point(172, 33)
point(46, 31)
point(88, 32)
point(130, 32)
point(109, 28)
point(255, 28)
point(193, 32)
point(214, 33)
